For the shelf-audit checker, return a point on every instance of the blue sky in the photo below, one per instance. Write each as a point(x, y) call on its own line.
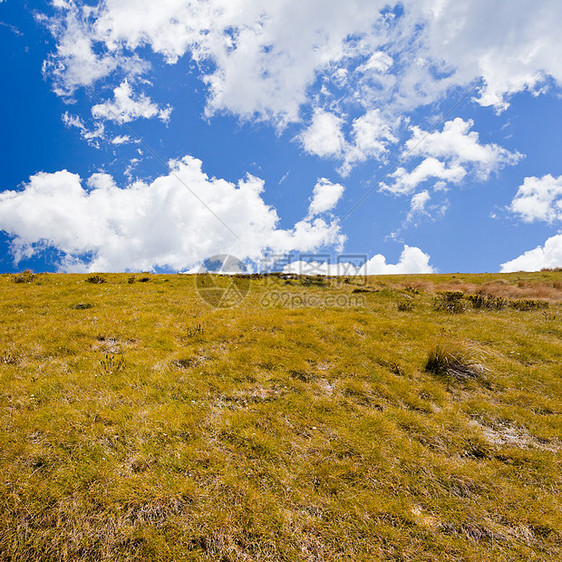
point(149, 136)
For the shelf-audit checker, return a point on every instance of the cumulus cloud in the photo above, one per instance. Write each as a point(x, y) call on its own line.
point(125, 108)
point(429, 169)
point(324, 136)
point(412, 260)
point(372, 134)
point(506, 45)
point(539, 199)
point(448, 156)
point(265, 57)
point(325, 197)
point(98, 226)
point(369, 137)
point(418, 204)
point(547, 256)
point(78, 60)
point(379, 61)
point(458, 144)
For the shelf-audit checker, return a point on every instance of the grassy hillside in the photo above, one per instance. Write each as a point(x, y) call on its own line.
point(411, 418)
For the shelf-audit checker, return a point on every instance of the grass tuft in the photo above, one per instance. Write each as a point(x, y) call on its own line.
point(452, 363)
point(81, 306)
point(112, 364)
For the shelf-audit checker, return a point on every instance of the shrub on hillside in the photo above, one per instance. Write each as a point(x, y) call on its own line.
point(406, 306)
point(96, 279)
point(449, 301)
point(26, 276)
point(482, 300)
point(529, 304)
point(413, 290)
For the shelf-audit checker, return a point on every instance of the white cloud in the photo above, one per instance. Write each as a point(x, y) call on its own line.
point(458, 144)
point(121, 139)
point(371, 133)
point(547, 256)
point(325, 196)
point(539, 199)
point(77, 60)
point(91, 136)
point(379, 61)
point(418, 204)
point(449, 155)
point(412, 260)
point(125, 108)
point(149, 225)
point(265, 57)
point(510, 46)
point(429, 169)
point(324, 136)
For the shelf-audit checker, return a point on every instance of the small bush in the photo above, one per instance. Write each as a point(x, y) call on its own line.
point(478, 300)
point(144, 279)
point(406, 306)
point(449, 301)
point(452, 364)
point(26, 276)
point(412, 290)
point(96, 279)
point(481, 300)
point(131, 279)
point(529, 304)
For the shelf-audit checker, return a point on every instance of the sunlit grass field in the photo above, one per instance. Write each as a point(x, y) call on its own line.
point(138, 422)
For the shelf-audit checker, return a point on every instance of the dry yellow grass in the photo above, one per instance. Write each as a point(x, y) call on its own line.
point(140, 423)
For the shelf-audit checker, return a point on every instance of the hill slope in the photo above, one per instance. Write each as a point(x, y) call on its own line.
point(405, 418)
